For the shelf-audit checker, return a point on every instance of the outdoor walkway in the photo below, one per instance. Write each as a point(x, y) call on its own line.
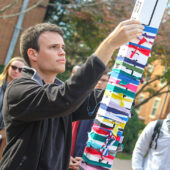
point(122, 165)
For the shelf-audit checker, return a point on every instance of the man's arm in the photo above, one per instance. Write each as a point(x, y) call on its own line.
point(123, 33)
point(29, 101)
point(142, 147)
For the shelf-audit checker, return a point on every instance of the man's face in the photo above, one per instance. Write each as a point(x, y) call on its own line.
point(51, 56)
point(102, 83)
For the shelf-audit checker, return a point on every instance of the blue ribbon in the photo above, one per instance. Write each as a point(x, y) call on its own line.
point(124, 77)
point(135, 63)
point(150, 29)
point(112, 110)
point(137, 45)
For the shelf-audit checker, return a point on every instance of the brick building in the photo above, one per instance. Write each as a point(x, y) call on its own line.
point(158, 106)
point(9, 24)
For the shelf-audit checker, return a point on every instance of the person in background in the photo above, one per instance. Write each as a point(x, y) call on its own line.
point(38, 108)
point(80, 129)
point(153, 155)
point(11, 71)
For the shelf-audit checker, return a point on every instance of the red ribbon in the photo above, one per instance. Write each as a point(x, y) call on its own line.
point(94, 152)
point(142, 50)
point(103, 132)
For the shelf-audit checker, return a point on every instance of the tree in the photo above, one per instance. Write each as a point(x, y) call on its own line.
point(85, 25)
point(131, 132)
point(16, 2)
point(88, 22)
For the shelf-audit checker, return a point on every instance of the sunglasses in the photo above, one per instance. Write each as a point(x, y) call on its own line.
point(15, 68)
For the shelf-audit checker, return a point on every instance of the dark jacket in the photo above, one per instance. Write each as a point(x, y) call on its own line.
point(38, 117)
point(2, 91)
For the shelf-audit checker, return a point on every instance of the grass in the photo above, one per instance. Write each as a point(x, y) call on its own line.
point(123, 156)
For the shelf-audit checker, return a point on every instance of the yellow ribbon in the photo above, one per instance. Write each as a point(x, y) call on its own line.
point(118, 96)
point(122, 125)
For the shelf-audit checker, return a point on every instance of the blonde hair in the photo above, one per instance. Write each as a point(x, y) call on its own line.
point(4, 74)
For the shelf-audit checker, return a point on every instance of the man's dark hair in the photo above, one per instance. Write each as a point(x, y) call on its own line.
point(29, 38)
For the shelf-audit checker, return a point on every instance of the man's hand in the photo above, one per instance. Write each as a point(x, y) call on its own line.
point(123, 33)
point(75, 163)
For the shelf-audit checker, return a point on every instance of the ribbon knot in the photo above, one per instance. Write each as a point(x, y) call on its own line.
point(104, 149)
point(137, 48)
point(118, 96)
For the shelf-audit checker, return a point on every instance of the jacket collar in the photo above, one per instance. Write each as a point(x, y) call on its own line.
point(33, 74)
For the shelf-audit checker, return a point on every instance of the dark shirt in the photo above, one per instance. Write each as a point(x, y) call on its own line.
point(2, 91)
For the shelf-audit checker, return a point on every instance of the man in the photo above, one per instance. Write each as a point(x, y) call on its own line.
point(156, 156)
point(39, 109)
point(80, 129)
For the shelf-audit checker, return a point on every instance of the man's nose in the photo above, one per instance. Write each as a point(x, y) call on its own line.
point(62, 52)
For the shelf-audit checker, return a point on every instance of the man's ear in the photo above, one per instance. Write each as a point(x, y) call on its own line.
point(32, 54)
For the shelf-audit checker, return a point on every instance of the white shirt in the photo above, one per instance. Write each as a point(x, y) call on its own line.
point(156, 159)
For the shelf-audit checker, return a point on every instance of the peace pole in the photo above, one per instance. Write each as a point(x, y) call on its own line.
point(106, 136)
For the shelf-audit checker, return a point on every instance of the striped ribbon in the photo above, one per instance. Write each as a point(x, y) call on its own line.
point(126, 78)
point(116, 89)
point(138, 47)
point(104, 148)
point(135, 63)
point(127, 74)
point(93, 151)
point(122, 83)
point(150, 29)
point(114, 108)
point(108, 110)
point(118, 96)
point(129, 66)
point(148, 36)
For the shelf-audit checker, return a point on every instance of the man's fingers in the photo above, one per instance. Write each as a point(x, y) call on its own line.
point(129, 22)
point(78, 158)
point(134, 26)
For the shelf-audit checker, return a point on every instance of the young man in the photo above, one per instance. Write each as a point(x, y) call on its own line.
point(39, 109)
point(156, 156)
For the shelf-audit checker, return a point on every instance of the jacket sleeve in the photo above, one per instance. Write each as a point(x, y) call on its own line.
point(142, 147)
point(90, 107)
point(29, 101)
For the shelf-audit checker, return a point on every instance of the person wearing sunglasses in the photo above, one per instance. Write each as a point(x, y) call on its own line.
point(10, 72)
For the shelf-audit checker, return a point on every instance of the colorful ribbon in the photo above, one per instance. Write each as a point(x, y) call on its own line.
point(124, 77)
point(104, 148)
point(106, 110)
point(139, 48)
point(118, 96)
point(135, 63)
point(148, 36)
point(114, 108)
point(127, 74)
point(150, 29)
point(116, 89)
point(128, 66)
point(95, 163)
point(121, 83)
point(95, 152)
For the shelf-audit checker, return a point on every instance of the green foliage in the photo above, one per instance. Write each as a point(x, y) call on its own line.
point(131, 131)
point(1, 68)
point(82, 32)
point(124, 156)
point(87, 23)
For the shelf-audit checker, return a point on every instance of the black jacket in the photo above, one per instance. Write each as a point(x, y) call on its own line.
point(38, 117)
